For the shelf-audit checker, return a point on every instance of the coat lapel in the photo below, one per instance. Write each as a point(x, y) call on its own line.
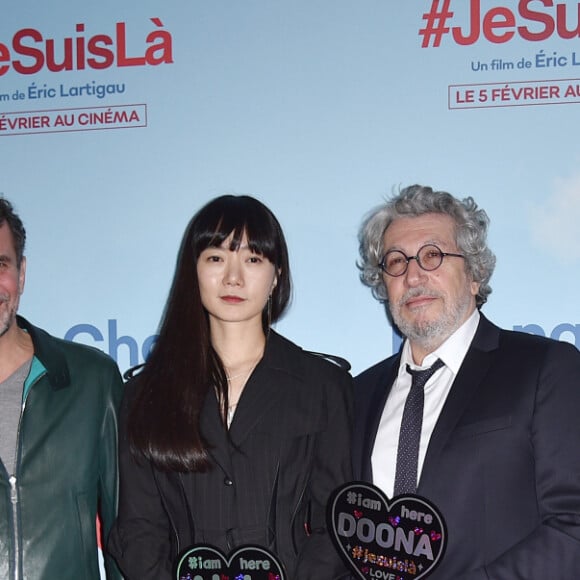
point(265, 389)
point(214, 432)
point(260, 395)
point(469, 379)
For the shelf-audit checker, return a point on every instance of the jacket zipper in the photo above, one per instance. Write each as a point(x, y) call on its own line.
point(14, 495)
point(14, 501)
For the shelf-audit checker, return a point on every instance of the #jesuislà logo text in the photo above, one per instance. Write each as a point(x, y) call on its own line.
point(29, 51)
point(534, 20)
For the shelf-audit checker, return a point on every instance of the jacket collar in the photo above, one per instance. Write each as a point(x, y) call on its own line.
point(46, 350)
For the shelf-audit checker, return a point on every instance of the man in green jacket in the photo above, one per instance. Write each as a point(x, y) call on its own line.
point(58, 438)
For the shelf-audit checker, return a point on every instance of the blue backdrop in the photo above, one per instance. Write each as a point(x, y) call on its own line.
point(118, 121)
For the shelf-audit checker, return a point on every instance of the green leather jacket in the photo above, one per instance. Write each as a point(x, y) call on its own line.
point(66, 465)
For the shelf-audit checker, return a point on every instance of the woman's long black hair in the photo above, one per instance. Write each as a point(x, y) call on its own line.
point(164, 418)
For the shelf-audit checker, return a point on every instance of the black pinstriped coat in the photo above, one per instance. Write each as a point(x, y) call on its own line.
point(288, 449)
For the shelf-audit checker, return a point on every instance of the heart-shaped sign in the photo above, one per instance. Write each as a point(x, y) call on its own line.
point(204, 562)
point(403, 539)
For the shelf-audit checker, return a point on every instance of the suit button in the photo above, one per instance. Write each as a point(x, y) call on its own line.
point(228, 482)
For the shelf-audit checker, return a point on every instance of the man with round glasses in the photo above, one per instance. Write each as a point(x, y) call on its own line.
point(491, 434)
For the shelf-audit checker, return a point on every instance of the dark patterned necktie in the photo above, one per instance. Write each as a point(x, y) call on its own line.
point(410, 435)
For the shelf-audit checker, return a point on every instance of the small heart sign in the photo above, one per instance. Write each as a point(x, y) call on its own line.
point(401, 539)
point(204, 562)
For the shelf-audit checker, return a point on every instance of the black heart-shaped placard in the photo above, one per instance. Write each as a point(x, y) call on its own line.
point(402, 539)
point(204, 562)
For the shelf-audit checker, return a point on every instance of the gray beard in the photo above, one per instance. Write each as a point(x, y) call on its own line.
point(430, 335)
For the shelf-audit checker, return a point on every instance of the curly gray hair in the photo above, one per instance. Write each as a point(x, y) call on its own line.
point(470, 235)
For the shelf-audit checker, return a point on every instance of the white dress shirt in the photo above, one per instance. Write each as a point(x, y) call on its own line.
point(451, 352)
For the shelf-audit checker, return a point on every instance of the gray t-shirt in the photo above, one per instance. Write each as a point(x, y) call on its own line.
point(10, 410)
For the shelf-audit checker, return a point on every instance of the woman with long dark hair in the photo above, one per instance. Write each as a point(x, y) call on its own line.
point(231, 434)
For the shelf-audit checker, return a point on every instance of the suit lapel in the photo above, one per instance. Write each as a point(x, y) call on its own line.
point(379, 395)
point(469, 379)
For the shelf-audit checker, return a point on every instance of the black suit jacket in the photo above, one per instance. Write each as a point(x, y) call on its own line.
point(288, 449)
point(503, 463)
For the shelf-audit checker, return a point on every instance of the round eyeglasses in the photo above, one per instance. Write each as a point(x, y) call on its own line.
point(429, 258)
